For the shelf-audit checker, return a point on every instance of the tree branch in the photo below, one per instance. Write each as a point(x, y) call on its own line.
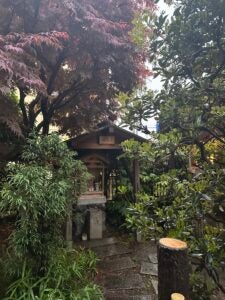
point(212, 133)
point(76, 87)
point(23, 107)
point(69, 100)
point(31, 109)
point(57, 104)
point(55, 71)
point(43, 59)
point(190, 75)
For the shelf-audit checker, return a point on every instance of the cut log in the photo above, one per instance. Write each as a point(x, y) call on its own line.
point(173, 268)
point(177, 296)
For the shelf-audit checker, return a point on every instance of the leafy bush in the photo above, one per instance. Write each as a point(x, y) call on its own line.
point(116, 209)
point(68, 277)
point(201, 289)
point(177, 204)
point(39, 190)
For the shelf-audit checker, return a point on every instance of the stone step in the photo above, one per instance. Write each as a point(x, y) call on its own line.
point(124, 296)
point(129, 282)
point(97, 243)
point(112, 250)
point(153, 258)
point(155, 285)
point(143, 252)
point(144, 297)
point(149, 269)
point(116, 264)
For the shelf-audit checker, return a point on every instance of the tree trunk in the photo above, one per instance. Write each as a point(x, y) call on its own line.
point(173, 268)
point(45, 128)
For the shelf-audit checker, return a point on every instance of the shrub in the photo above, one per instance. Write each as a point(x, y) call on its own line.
point(116, 209)
point(68, 277)
point(175, 203)
point(39, 190)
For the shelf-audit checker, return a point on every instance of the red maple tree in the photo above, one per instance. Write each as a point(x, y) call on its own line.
point(68, 59)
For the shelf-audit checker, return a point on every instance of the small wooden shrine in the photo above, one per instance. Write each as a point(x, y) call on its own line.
point(100, 150)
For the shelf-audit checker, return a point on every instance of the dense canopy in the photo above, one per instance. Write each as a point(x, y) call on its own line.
point(68, 59)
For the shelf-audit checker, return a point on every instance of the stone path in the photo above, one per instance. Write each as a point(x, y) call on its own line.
point(126, 271)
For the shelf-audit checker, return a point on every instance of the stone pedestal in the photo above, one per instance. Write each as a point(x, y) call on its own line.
point(94, 202)
point(95, 223)
point(91, 198)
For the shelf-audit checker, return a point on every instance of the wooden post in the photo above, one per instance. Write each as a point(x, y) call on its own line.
point(177, 296)
point(173, 269)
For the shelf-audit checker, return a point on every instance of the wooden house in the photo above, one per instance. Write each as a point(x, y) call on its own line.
point(100, 150)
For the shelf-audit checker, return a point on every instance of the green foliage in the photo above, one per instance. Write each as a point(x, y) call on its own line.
point(201, 290)
point(174, 203)
point(39, 191)
point(182, 168)
point(188, 53)
point(141, 34)
point(68, 277)
point(136, 109)
point(10, 131)
point(116, 209)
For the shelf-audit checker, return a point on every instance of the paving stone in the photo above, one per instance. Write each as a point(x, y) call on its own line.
point(117, 264)
point(128, 294)
point(98, 243)
point(143, 297)
point(153, 258)
point(149, 269)
point(133, 281)
point(112, 250)
point(124, 297)
point(155, 285)
point(142, 250)
point(119, 270)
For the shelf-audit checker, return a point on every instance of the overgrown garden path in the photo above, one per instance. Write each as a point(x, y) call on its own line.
point(126, 270)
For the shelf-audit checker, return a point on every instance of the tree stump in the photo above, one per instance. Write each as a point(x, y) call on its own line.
point(177, 296)
point(173, 268)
